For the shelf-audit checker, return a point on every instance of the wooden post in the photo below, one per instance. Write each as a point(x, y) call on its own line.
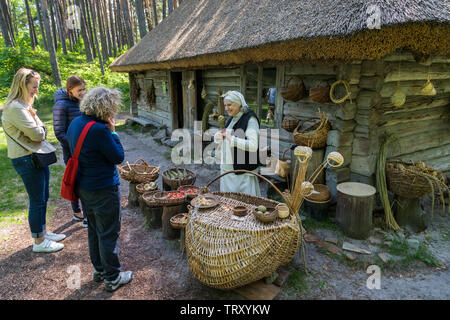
point(354, 208)
point(408, 213)
point(182, 240)
point(168, 212)
point(133, 195)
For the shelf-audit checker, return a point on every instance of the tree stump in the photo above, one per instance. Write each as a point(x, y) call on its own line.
point(133, 195)
point(409, 214)
point(152, 215)
point(168, 212)
point(354, 209)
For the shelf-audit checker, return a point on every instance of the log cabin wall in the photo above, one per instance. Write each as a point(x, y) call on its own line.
point(421, 125)
point(160, 114)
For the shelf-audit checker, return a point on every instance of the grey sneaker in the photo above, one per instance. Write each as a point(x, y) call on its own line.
point(123, 278)
point(85, 223)
point(98, 276)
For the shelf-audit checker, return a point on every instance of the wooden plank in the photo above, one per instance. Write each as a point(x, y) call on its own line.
point(413, 103)
point(157, 120)
point(258, 290)
point(219, 82)
point(364, 165)
point(310, 69)
point(405, 71)
point(416, 127)
point(440, 152)
point(414, 143)
point(243, 73)
point(306, 109)
point(386, 120)
point(221, 73)
point(279, 99)
point(439, 164)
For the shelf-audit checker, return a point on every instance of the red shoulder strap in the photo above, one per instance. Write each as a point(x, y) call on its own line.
point(81, 139)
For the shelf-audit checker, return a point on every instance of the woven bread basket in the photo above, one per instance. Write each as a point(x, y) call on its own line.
point(315, 140)
point(403, 181)
point(147, 197)
point(176, 221)
point(138, 172)
point(141, 188)
point(294, 91)
point(323, 194)
point(174, 184)
point(320, 94)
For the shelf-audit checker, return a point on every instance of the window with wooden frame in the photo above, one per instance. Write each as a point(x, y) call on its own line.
point(258, 85)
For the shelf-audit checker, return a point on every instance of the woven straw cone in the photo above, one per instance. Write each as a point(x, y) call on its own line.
point(227, 253)
point(405, 183)
point(315, 140)
point(138, 172)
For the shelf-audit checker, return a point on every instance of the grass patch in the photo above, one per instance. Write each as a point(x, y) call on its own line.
point(297, 281)
point(409, 255)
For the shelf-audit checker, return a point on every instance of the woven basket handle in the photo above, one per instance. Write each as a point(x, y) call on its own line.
point(284, 152)
point(143, 162)
point(255, 174)
point(292, 116)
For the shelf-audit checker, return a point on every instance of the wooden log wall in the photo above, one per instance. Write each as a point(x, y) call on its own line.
point(421, 124)
point(159, 114)
point(340, 137)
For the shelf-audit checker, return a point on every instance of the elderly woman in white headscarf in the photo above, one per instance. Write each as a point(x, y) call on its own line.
point(239, 143)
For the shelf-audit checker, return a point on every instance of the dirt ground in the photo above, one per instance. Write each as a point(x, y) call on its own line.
point(162, 272)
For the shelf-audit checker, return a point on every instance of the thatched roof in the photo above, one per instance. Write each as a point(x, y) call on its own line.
point(218, 32)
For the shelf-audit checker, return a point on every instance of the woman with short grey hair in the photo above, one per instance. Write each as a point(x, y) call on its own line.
point(98, 182)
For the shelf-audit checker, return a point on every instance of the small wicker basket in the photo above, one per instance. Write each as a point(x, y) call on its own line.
point(149, 200)
point(294, 91)
point(315, 140)
point(138, 172)
point(174, 184)
point(141, 188)
point(289, 124)
point(323, 194)
point(161, 200)
point(177, 221)
point(266, 217)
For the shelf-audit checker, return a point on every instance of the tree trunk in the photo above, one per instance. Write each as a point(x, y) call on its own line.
point(141, 18)
point(113, 28)
point(127, 22)
point(119, 24)
point(354, 209)
point(170, 5)
point(41, 24)
point(134, 26)
point(53, 59)
point(155, 13)
point(175, 5)
point(89, 29)
point(31, 26)
point(84, 33)
point(409, 214)
point(96, 38)
point(6, 32)
point(148, 15)
point(62, 32)
point(107, 28)
point(101, 31)
point(133, 195)
point(164, 9)
point(53, 24)
point(10, 23)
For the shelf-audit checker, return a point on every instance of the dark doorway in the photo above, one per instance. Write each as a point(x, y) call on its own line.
point(200, 101)
point(176, 96)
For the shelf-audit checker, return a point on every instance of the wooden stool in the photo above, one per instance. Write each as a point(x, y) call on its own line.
point(133, 195)
point(409, 214)
point(152, 216)
point(168, 212)
point(354, 208)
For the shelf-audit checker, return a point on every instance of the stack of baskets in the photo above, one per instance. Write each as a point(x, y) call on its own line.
point(314, 136)
point(138, 172)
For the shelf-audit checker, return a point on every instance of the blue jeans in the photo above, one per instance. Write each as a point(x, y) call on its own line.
point(76, 204)
point(36, 183)
point(102, 208)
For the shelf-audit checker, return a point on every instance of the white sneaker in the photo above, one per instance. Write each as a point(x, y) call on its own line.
point(47, 246)
point(54, 236)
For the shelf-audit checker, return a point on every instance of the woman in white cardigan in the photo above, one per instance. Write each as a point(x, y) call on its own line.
point(239, 146)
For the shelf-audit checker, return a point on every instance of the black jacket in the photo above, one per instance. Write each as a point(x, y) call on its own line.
point(65, 110)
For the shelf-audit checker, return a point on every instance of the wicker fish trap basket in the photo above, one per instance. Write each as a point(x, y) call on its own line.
point(138, 172)
point(316, 139)
point(226, 252)
point(170, 179)
point(410, 180)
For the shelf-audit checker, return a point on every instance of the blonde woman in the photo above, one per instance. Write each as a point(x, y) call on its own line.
point(25, 134)
point(98, 182)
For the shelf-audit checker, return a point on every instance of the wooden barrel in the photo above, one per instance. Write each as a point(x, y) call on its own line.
point(170, 232)
point(315, 161)
point(354, 209)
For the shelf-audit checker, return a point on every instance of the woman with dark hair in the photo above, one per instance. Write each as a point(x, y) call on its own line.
point(26, 134)
point(67, 108)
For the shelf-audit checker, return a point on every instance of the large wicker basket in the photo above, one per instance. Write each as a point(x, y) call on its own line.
point(226, 252)
point(294, 91)
point(174, 184)
point(138, 172)
point(403, 181)
point(315, 140)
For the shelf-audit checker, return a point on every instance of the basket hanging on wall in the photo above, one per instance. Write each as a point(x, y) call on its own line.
point(320, 94)
point(151, 95)
point(294, 90)
point(344, 98)
point(428, 88)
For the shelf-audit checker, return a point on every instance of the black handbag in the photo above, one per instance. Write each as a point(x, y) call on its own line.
point(41, 160)
point(38, 160)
